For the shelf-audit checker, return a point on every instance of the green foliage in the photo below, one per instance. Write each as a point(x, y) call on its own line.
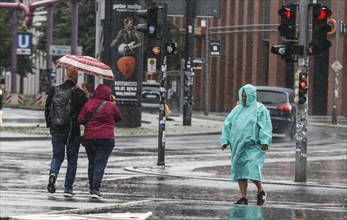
point(24, 62)
point(62, 26)
point(5, 37)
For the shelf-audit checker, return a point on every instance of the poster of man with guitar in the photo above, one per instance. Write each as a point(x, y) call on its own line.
point(123, 53)
point(127, 39)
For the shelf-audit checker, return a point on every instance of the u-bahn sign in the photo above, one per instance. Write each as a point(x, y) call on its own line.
point(24, 43)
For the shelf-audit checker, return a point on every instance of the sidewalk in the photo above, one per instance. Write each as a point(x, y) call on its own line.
point(31, 125)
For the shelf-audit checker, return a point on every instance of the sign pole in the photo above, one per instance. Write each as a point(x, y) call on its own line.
point(336, 80)
point(163, 85)
point(301, 115)
point(188, 68)
point(204, 23)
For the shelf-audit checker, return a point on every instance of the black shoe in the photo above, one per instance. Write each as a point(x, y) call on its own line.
point(242, 201)
point(51, 182)
point(261, 198)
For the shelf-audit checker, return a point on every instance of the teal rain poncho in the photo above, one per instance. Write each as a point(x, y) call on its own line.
point(245, 129)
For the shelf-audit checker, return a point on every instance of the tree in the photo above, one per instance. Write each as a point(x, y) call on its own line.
point(24, 63)
point(62, 20)
point(5, 38)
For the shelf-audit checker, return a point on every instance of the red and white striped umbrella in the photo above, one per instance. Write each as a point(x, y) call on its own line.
point(88, 65)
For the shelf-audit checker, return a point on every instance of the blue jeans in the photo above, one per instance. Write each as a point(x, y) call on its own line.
point(59, 142)
point(98, 152)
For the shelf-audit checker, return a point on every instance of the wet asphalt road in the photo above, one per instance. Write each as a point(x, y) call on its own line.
point(198, 188)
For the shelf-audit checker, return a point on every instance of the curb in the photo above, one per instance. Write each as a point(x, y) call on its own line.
point(290, 183)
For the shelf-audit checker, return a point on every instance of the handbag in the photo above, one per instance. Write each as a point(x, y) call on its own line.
point(96, 112)
point(91, 119)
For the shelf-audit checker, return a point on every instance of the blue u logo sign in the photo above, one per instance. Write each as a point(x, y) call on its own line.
point(23, 41)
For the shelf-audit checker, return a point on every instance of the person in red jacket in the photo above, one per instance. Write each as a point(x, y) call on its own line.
point(98, 116)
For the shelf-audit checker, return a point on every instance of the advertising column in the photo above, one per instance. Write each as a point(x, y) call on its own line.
point(124, 54)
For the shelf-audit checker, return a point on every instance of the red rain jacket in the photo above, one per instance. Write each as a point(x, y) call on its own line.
point(102, 126)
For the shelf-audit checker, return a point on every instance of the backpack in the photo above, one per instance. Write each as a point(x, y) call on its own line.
point(60, 112)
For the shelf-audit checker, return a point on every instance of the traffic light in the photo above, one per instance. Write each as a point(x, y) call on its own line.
point(156, 50)
point(285, 51)
point(150, 28)
point(171, 48)
point(288, 21)
point(303, 87)
point(320, 28)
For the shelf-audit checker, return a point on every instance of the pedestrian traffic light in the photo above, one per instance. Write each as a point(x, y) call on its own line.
point(156, 50)
point(320, 28)
point(171, 48)
point(288, 21)
point(303, 87)
point(150, 28)
point(285, 51)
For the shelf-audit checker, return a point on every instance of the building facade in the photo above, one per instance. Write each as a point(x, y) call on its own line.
point(247, 30)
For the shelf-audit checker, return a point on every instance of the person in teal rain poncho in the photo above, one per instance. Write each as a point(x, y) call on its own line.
point(248, 131)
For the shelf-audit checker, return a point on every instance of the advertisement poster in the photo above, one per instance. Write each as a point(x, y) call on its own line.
point(126, 52)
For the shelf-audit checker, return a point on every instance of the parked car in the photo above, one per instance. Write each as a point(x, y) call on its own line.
point(150, 96)
point(280, 102)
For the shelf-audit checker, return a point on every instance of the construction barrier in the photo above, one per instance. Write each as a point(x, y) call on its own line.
point(40, 100)
point(14, 99)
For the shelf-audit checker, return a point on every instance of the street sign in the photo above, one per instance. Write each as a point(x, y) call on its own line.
point(204, 8)
point(215, 48)
point(337, 66)
point(151, 65)
point(60, 50)
point(24, 44)
point(199, 60)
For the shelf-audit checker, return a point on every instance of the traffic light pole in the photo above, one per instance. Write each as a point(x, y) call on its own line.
point(301, 116)
point(336, 81)
point(188, 67)
point(163, 85)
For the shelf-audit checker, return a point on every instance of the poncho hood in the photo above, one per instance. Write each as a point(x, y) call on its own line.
point(251, 93)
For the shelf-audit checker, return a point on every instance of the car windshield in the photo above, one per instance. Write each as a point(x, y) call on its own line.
point(271, 97)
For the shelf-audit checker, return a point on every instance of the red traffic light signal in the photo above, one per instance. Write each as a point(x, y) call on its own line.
point(321, 12)
point(286, 13)
point(320, 28)
point(156, 50)
point(288, 21)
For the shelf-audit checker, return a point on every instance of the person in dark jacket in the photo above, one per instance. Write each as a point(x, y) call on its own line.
point(63, 104)
point(99, 138)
